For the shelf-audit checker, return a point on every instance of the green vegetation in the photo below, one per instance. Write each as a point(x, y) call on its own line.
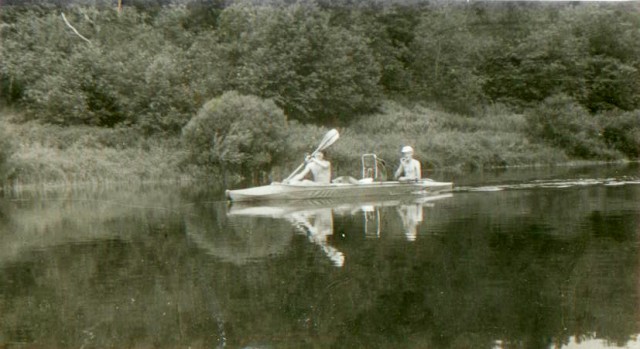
point(470, 85)
point(56, 155)
point(241, 134)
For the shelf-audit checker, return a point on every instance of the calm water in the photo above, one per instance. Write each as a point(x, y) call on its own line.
point(513, 259)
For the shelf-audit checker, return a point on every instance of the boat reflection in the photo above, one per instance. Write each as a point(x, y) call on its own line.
point(315, 219)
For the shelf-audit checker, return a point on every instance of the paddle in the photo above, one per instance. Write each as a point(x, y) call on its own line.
point(328, 139)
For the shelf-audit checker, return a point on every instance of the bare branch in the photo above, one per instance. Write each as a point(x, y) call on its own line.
point(74, 29)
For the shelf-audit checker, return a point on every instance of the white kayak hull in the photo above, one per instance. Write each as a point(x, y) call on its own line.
point(282, 209)
point(279, 191)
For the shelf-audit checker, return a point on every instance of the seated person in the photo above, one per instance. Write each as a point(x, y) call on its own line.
point(409, 169)
point(320, 170)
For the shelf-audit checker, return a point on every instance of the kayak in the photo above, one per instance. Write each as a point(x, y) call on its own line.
point(306, 190)
point(346, 206)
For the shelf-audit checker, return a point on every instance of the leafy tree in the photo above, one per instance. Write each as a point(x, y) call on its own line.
point(292, 54)
point(130, 72)
point(445, 56)
point(389, 33)
point(589, 52)
point(238, 133)
point(203, 15)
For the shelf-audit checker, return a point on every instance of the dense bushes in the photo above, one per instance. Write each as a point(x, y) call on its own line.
point(564, 123)
point(622, 132)
point(129, 74)
point(237, 133)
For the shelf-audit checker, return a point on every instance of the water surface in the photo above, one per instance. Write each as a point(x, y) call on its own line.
point(530, 258)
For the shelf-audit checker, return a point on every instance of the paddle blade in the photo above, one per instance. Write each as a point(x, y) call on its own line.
point(330, 138)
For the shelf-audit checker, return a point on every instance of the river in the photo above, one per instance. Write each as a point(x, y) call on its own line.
point(530, 258)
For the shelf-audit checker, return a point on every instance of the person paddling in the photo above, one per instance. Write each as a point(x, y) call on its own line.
point(409, 169)
point(319, 167)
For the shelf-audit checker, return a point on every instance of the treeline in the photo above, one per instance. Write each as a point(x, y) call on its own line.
point(154, 64)
point(319, 61)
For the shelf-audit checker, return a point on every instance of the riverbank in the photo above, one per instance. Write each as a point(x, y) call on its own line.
point(48, 156)
point(54, 156)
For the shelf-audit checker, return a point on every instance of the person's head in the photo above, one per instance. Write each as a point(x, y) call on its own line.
point(319, 155)
point(407, 151)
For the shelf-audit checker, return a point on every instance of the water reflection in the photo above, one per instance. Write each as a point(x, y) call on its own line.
point(315, 218)
point(411, 216)
point(542, 267)
point(318, 225)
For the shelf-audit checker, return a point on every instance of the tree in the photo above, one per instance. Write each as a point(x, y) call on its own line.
point(445, 55)
point(237, 133)
point(313, 71)
point(587, 51)
point(389, 32)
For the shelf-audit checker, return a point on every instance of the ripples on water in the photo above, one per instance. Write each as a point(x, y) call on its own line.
point(512, 260)
point(558, 183)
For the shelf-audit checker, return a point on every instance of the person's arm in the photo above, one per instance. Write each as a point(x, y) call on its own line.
point(323, 163)
point(398, 171)
point(301, 175)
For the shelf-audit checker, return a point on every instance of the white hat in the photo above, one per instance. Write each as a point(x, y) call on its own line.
point(407, 149)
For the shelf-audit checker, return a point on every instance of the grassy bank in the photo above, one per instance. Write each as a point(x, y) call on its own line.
point(442, 141)
point(51, 156)
point(451, 141)
point(60, 156)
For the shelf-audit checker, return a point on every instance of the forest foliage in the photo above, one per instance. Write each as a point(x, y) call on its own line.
point(572, 68)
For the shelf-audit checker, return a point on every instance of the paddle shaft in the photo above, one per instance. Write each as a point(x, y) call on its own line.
point(301, 166)
point(328, 139)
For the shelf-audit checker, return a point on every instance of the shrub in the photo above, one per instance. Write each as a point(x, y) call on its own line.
point(622, 132)
point(237, 133)
point(562, 122)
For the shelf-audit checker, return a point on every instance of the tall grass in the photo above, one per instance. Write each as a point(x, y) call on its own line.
point(56, 156)
point(442, 140)
point(496, 138)
point(62, 156)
